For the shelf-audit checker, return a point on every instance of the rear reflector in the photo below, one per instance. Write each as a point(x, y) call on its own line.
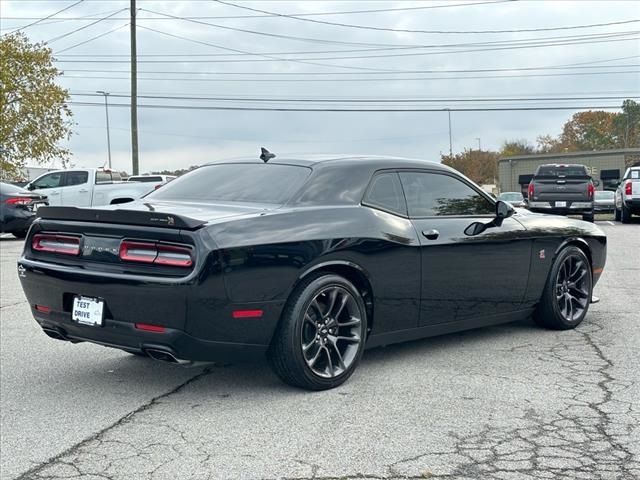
point(247, 313)
point(52, 243)
point(158, 253)
point(150, 328)
point(43, 309)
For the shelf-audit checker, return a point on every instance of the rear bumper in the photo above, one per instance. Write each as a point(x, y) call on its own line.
point(196, 315)
point(571, 208)
point(633, 204)
point(125, 336)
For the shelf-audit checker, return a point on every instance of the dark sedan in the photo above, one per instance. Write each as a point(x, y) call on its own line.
point(308, 261)
point(18, 209)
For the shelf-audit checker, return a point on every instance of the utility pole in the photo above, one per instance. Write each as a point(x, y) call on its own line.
point(134, 90)
point(450, 142)
point(479, 144)
point(106, 112)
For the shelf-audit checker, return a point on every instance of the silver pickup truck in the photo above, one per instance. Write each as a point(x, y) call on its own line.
point(628, 195)
point(563, 190)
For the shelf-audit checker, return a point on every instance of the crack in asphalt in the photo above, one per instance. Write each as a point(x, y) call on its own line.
point(36, 471)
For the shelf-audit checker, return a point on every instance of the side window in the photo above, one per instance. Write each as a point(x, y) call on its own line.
point(51, 180)
point(385, 192)
point(102, 176)
point(76, 178)
point(434, 194)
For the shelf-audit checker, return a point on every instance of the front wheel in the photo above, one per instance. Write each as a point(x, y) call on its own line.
point(567, 294)
point(321, 335)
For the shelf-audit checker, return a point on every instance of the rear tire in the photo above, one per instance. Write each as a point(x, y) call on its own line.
point(21, 234)
point(626, 214)
point(320, 339)
point(567, 295)
point(589, 217)
point(617, 215)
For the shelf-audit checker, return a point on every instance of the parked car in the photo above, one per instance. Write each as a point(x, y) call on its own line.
point(151, 178)
point(308, 261)
point(604, 201)
point(627, 196)
point(514, 198)
point(562, 189)
point(88, 187)
point(18, 209)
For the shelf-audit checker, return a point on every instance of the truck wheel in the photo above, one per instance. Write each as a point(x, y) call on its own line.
point(321, 335)
point(626, 214)
point(21, 234)
point(567, 294)
point(617, 214)
point(588, 217)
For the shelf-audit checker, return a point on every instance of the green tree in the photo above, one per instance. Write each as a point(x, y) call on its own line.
point(481, 166)
point(34, 115)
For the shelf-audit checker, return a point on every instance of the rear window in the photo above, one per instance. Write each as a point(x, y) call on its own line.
point(562, 171)
point(239, 182)
point(107, 176)
point(8, 189)
point(511, 197)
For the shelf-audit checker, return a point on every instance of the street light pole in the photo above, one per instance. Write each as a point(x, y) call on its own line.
point(479, 144)
point(106, 112)
point(450, 143)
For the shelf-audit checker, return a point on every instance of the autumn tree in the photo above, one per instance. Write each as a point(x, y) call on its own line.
point(34, 115)
point(516, 147)
point(479, 165)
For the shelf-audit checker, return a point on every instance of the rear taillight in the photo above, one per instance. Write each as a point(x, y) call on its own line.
point(628, 188)
point(18, 201)
point(531, 190)
point(590, 190)
point(52, 243)
point(157, 253)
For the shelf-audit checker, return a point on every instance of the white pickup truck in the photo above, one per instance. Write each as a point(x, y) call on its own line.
point(88, 187)
point(627, 198)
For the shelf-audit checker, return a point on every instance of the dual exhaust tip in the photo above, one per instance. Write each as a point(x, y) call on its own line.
point(163, 355)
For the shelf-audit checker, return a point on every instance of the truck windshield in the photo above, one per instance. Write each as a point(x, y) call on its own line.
point(562, 171)
point(264, 183)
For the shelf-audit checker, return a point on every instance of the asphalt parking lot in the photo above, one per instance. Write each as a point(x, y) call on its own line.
point(508, 402)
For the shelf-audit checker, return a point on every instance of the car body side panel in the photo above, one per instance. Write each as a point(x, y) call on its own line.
point(266, 266)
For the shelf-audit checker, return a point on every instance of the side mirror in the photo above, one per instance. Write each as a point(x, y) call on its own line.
point(503, 210)
point(596, 183)
point(29, 186)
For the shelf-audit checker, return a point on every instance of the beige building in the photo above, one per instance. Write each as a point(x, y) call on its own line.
point(605, 166)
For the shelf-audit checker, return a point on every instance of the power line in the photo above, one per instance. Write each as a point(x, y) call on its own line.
point(405, 30)
point(91, 39)
point(64, 35)
point(191, 79)
point(371, 100)
point(48, 16)
point(345, 110)
point(600, 39)
point(481, 70)
point(306, 14)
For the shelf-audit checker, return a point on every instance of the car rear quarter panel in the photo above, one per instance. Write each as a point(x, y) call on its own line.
point(263, 258)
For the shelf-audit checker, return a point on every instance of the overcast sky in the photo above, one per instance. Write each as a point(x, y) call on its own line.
point(211, 61)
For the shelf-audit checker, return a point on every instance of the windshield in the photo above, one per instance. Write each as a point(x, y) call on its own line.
point(562, 171)
point(511, 196)
point(239, 182)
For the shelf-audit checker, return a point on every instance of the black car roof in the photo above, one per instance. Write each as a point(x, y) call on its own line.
point(376, 161)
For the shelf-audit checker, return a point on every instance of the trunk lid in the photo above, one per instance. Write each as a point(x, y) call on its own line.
point(571, 189)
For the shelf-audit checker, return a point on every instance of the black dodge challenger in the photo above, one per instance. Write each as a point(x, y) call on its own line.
point(308, 261)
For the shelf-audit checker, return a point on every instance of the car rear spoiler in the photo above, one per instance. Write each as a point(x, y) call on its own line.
point(120, 216)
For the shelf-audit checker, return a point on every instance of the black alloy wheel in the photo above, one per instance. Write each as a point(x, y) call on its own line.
point(320, 339)
point(568, 292)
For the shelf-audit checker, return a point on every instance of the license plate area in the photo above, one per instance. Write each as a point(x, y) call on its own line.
point(87, 310)
point(561, 204)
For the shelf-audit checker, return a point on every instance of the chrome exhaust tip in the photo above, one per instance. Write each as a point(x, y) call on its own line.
point(55, 333)
point(165, 356)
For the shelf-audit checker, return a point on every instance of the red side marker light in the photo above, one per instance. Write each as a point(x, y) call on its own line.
point(247, 313)
point(43, 309)
point(150, 328)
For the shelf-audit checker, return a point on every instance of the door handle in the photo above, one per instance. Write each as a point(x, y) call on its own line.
point(84, 190)
point(431, 234)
